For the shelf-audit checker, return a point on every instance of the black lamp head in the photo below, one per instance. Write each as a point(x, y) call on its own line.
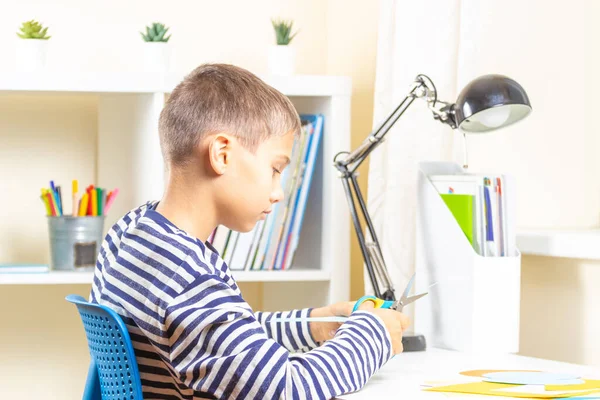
point(490, 102)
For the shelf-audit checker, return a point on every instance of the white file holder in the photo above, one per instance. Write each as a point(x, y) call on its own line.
point(474, 305)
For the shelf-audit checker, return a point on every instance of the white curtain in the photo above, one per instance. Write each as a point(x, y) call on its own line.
point(415, 37)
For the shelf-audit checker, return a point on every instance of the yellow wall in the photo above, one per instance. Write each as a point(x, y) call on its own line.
point(352, 47)
point(41, 335)
point(559, 309)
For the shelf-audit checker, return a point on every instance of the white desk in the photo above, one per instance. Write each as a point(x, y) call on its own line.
point(402, 376)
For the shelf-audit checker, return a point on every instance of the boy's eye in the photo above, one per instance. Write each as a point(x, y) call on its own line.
point(276, 171)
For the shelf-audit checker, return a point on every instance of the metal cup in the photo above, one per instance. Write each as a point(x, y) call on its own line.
point(75, 242)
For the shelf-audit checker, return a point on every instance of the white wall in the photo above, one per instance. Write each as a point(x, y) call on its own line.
point(552, 49)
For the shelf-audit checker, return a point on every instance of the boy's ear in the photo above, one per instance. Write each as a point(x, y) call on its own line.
point(219, 152)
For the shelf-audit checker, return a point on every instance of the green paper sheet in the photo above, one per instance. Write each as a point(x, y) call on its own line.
point(461, 206)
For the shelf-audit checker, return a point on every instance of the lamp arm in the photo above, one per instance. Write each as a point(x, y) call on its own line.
point(347, 166)
point(355, 158)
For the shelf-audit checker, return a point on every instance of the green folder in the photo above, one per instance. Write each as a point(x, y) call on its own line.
point(461, 206)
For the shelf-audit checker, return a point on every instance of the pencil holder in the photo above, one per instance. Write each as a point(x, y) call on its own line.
point(75, 242)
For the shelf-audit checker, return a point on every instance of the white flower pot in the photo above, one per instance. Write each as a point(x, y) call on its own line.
point(281, 60)
point(31, 54)
point(157, 56)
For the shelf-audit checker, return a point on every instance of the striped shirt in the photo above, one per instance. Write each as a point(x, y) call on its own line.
point(196, 338)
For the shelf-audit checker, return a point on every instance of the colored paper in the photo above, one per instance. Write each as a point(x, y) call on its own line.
point(587, 384)
point(506, 390)
point(461, 206)
point(532, 378)
point(482, 372)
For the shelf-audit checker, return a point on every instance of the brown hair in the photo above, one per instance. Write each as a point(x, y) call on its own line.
point(221, 97)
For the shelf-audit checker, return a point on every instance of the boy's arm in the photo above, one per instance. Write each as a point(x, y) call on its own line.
point(217, 347)
point(294, 336)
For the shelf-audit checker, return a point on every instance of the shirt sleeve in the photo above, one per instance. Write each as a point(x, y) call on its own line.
point(217, 347)
point(294, 336)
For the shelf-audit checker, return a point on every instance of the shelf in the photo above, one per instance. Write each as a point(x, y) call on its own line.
point(129, 82)
point(74, 278)
point(565, 243)
point(292, 275)
point(118, 120)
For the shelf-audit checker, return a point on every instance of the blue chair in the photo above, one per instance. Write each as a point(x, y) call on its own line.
point(113, 373)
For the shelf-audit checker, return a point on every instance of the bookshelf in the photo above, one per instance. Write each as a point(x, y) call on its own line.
point(75, 278)
point(124, 109)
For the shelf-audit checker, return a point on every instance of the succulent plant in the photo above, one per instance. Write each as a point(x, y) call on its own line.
point(156, 33)
point(33, 30)
point(283, 30)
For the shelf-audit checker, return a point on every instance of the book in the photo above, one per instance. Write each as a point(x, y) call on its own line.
point(258, 232)
point(488, 231)
point(220, 239)
point(317, 121)
point(242, 249)
point(282, 209)
point(292, 204)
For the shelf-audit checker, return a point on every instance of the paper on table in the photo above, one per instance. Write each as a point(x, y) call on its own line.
point(532, 378)
point(482, 372)
point(541, 390)
point(588, 384)
point(505, 390)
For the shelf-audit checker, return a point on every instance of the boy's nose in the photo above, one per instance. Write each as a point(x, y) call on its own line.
point(277, 195)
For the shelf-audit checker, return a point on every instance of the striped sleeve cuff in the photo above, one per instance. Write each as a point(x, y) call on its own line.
point(294, 336)
point(370, 330)
point(305, 329)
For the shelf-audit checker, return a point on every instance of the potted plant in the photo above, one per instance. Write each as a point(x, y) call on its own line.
point(156, 48)
point(32, 47)
point(282, 57)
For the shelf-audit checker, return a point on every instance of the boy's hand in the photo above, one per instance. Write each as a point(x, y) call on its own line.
point(322, 331)
point(395, 322)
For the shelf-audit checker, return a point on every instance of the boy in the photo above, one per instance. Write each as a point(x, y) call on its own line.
point(226, 136)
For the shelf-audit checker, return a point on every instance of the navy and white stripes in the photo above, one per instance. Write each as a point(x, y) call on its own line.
point(194, 335)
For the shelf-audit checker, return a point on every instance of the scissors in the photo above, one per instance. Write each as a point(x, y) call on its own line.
point(397, 305)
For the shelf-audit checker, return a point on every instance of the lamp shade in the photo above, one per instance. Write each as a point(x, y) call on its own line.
point(490, 102)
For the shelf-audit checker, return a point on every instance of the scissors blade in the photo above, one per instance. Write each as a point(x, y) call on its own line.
point(413, 298)
point(399, 305)
point(407, 289)
point(404, 300)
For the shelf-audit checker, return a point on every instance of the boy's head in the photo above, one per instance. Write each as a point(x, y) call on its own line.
point(224, 128)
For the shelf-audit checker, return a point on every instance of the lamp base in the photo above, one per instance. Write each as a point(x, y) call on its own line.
point(414, 343)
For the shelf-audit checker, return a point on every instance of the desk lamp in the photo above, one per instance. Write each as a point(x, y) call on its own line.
point(487, 103)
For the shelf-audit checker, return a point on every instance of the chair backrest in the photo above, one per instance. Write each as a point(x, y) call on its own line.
point(113, 372)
